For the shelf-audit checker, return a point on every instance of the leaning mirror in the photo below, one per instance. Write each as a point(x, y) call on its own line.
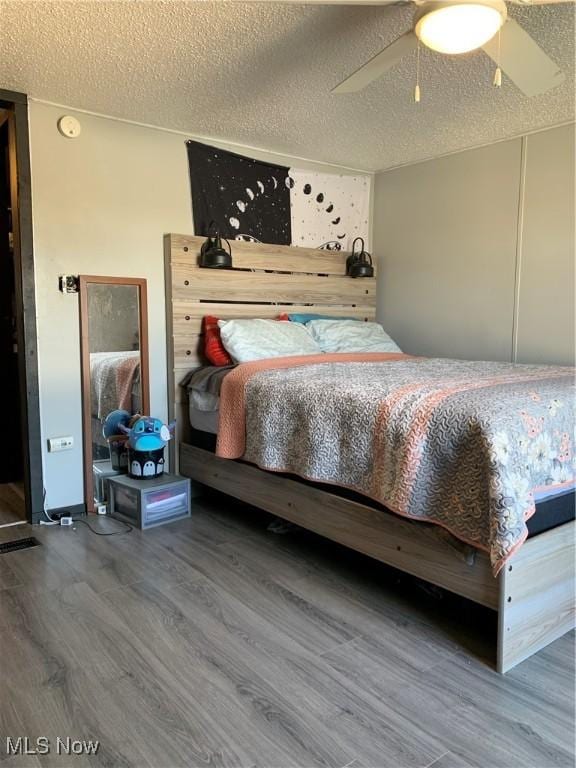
point(114, 353)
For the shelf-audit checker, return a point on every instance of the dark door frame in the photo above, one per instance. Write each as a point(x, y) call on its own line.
point(17, 105)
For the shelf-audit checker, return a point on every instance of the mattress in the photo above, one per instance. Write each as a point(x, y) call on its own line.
point(204, 421)
point(551, 512)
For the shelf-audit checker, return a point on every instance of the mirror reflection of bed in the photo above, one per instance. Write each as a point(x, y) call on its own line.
point(114, 365)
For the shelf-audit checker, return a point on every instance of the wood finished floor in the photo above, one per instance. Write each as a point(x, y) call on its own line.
point(212, 642)
point(12, 508)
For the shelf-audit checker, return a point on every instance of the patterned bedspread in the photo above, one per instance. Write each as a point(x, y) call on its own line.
point(461, 444)
point(113, 376)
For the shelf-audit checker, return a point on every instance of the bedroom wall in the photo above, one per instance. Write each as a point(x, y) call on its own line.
point(101, 204)
point(476, 251)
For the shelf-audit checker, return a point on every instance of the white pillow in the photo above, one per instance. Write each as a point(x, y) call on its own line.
point(247, 340)
point(351, 336)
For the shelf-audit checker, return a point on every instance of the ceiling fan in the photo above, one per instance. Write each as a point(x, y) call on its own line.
point(460, 26)
point(457, 27)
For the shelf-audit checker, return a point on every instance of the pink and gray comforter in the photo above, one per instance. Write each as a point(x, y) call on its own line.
point(461, 444)
point(113, 376)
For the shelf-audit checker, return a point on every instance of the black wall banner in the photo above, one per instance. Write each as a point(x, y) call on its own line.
point(245, 198)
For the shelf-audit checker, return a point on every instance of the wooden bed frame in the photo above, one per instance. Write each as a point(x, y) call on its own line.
point(534, 593)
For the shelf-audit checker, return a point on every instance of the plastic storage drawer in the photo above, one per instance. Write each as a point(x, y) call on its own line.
point(102, 472)
point(147, 503)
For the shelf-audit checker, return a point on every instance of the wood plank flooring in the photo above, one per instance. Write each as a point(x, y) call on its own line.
point(212, 642)
point(12, 509)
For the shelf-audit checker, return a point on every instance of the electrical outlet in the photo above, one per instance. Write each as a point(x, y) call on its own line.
point(60, 444)
point(101, 509)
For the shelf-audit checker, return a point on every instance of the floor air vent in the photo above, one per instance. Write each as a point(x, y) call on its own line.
point(14, 546)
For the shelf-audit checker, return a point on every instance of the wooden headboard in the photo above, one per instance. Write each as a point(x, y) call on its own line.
point(266, 280)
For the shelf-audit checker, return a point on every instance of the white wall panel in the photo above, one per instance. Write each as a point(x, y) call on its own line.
point(445, 236)
point(547, 279)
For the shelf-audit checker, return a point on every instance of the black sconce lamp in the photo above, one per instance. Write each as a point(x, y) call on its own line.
point(359, 263)
point(213, 255)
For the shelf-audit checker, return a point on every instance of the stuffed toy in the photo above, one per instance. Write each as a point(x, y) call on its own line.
point(145, 438)
point(147, 433)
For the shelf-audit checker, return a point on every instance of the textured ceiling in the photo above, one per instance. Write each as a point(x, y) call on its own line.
point(261, 75)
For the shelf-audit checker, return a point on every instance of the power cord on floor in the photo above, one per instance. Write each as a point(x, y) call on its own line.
point(127, 529)
point(52, 521)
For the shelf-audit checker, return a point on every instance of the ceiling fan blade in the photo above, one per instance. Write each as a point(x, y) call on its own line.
point(378, 65)
point(525, 63)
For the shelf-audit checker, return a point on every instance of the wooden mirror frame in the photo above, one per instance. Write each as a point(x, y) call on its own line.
point(83, 282)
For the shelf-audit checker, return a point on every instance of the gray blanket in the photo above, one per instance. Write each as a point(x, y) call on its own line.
point(204, 384)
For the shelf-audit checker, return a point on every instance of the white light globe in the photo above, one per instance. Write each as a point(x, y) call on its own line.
point(459, 28)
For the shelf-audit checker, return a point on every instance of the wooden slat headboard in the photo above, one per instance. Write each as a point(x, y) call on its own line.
point(266, 280)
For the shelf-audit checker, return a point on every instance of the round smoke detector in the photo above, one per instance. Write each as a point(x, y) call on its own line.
point(69, 126)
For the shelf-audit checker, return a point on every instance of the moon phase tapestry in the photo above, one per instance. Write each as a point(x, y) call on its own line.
point(247, 199)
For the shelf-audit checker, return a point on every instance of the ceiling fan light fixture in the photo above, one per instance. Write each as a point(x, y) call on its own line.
point(459, 27)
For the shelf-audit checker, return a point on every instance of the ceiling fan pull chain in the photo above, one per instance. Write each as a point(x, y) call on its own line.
point(498, 73)
point(417, 87)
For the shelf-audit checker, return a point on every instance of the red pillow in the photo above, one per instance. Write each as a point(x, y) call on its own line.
point(213, 347)
point(284, 316)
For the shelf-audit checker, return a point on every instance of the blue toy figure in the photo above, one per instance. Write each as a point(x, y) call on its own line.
point(148, 434)
point(147, 438)
point(113, 423)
